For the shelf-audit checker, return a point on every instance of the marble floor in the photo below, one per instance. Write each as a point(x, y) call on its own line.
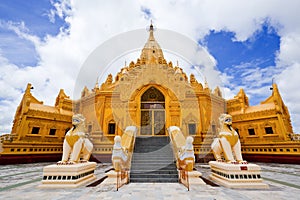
point(22, 181)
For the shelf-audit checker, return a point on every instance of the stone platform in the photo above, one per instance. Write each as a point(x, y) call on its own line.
point(237, 175)
point(20, 182)
point(68, 176)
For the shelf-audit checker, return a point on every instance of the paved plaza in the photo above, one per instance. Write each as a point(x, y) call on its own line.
point(22, 181)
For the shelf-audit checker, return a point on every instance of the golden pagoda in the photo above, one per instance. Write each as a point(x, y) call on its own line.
point(153, 94)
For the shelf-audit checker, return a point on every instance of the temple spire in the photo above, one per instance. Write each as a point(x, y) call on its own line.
point(151, 30)
point(151, 25)
point(151, 52)
point(205, 83)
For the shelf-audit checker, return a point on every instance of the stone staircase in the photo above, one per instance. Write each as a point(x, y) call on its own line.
point(153, 161)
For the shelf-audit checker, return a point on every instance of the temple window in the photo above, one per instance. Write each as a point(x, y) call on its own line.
point(35, 130)
point(269, 130)
point(192, 129)
point(214, 129)
point(111, 128)
point(52, 131)
point(251, 131)
point(90, 128)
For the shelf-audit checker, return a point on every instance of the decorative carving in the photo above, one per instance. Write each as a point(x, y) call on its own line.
point(85, 92)
point(153, 94)
point(217, 92)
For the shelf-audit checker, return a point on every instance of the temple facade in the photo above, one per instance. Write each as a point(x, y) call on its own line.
point(154, 94)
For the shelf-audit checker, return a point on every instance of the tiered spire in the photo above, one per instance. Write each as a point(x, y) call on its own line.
point(151, 52)
point(151, 30)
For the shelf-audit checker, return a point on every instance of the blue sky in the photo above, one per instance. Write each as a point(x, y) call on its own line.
point(34, 15)
point(262, 46)
point(239, 57)
point(45, 42)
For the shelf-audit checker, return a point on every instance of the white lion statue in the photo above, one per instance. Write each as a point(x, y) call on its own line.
point(123, 148)
point(76, 143)
point(227, 143)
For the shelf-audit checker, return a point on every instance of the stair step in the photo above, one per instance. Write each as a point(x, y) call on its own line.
point(145, 164)
point(148, 175)
point(150, 139)
point(153, 161)
point(153, 157)
point(153, 154)
point(153, 167)
point(153, 172)
point(151, 149)
point(154, 180)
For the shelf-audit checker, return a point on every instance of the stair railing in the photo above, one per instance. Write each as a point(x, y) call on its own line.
point(122, 178)
point(184, 177)
point(183, 152)
point(122, 155)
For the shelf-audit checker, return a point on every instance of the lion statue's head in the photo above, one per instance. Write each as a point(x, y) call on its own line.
point(78, 121)
point(225, 120)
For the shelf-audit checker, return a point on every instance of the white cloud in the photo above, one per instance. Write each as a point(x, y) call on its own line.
point(92, 23)
point(288, 83)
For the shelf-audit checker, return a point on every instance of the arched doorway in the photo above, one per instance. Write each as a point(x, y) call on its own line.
point(153, 113)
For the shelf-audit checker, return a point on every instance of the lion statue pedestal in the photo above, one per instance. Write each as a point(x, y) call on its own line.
point(74, 169)
point(68, 176)
point(229, 169)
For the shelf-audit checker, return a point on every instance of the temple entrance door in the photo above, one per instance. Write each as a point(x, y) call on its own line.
point(152, 122)
point(153, 113)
